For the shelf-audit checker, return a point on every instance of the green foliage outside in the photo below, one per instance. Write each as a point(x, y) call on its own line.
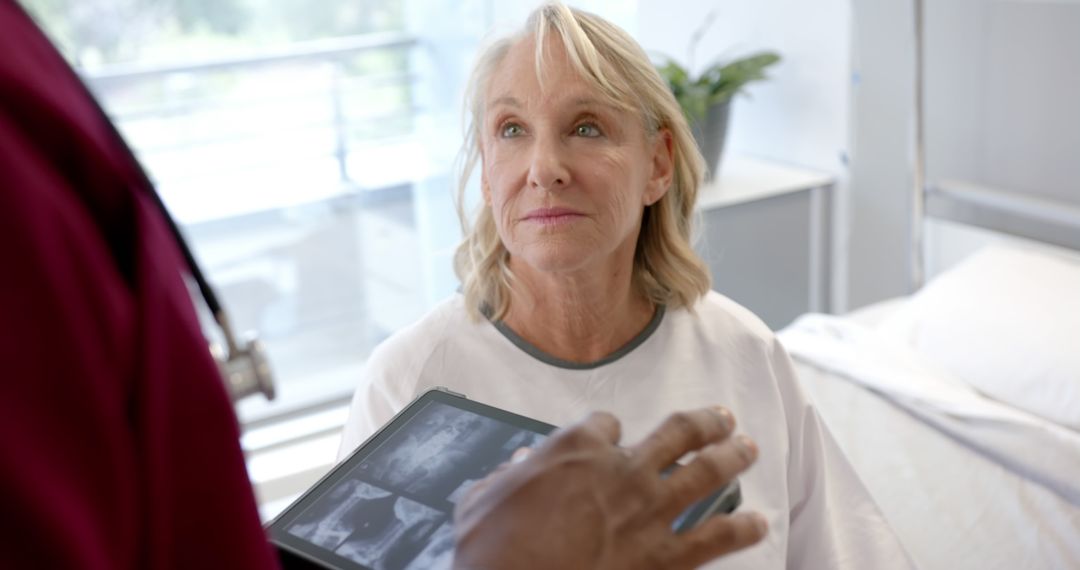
point(92, 32)
point(181, 112)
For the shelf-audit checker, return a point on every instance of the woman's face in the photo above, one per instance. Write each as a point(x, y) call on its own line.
point(566, 175)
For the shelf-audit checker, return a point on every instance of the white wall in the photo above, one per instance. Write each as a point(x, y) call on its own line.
point(510, 15)
point(801, 114)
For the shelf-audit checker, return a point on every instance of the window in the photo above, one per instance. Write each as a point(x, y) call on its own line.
point(306, 150)
point(291, 141)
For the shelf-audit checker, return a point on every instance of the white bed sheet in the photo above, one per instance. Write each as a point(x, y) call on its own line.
point(964, 483)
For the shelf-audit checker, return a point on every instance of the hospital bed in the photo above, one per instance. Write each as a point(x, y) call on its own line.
point(959, 405)
point(966, 479)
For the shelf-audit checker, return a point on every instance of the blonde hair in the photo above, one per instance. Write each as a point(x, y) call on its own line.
point(666, 268)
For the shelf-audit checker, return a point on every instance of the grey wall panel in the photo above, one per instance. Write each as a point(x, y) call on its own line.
point(1002, 93)
point(758, 253)
point(1031, 118)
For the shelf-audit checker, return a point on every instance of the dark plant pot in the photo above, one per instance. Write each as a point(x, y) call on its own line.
point(710, 134)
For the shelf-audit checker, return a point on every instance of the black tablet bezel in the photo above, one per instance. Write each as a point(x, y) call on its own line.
point(303, 549)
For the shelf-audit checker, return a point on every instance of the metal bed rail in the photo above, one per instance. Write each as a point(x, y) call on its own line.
point(1003, 211)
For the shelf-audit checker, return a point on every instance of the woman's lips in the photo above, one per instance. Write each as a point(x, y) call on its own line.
point(553, 216)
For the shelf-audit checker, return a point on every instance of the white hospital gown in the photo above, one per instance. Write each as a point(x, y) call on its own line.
point(820, 514)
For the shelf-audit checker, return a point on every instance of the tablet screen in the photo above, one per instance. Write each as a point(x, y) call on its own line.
point(390, 505)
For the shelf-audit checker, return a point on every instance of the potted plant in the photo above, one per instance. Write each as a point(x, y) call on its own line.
point(706, 99)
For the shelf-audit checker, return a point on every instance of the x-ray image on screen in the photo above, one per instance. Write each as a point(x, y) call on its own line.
point(393, 508)
point(441, 448)
point(368, 525)
point(522, 439)
point(439, 554)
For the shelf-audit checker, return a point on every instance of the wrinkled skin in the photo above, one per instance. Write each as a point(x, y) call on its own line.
point(560, 144)
point(580, 501)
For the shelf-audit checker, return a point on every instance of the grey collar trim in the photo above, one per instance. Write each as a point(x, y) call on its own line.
point(531, 350)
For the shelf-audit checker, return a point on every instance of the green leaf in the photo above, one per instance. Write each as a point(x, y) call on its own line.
point(675, 75)
point(729, 79)
point(719, 83)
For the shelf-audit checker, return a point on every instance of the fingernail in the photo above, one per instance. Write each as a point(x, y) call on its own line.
point(727, 418)
point(748, 446)
point(761, 523)
point(520, 455)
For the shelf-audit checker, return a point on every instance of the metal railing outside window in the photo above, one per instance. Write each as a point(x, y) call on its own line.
point(291, 172)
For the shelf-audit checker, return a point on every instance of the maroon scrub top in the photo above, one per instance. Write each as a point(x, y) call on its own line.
point(118, 443)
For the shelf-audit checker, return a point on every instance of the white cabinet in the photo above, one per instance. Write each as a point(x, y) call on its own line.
point(765, 235)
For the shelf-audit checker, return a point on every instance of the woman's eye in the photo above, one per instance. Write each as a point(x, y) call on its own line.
point(512, 130)
point(587, 130)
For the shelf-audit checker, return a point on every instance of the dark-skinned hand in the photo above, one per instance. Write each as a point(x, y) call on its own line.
point(581, 501)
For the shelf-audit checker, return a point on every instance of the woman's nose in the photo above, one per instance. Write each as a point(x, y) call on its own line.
point(548, 169)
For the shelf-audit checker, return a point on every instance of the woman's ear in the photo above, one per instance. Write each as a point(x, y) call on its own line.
point(663, 167)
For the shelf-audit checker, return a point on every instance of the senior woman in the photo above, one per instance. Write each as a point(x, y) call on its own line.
point(580, 289)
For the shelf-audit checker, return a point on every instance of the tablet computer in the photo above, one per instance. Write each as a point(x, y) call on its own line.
point(390, 504)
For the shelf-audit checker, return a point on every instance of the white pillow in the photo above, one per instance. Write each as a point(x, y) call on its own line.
point(1007, 321)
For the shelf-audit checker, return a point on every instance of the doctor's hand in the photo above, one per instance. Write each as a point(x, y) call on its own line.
point(580, 501)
